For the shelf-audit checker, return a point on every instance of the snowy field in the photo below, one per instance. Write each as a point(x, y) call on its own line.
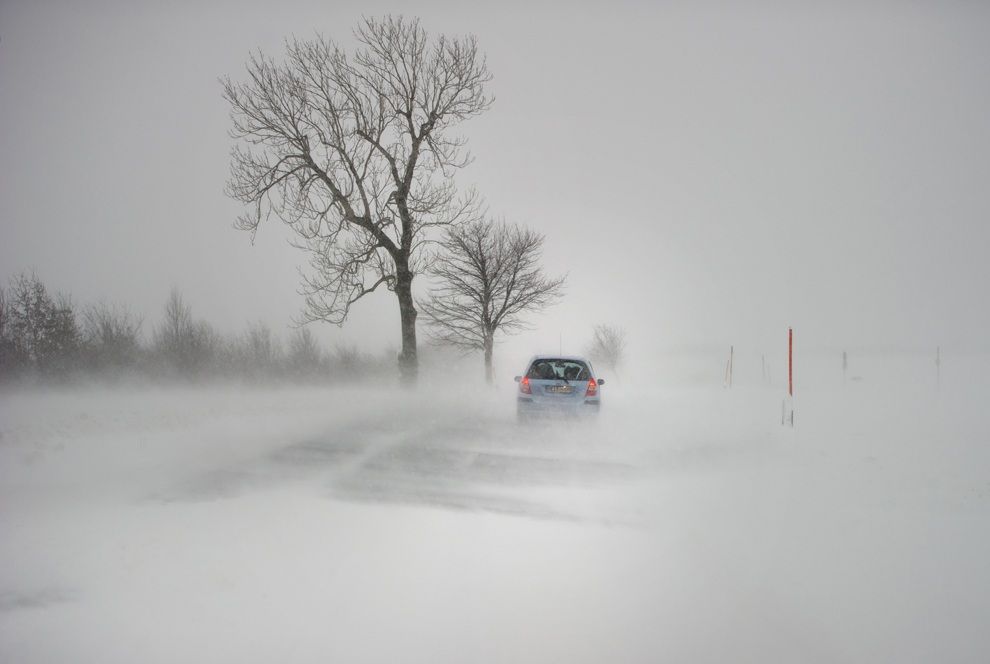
point(223, 524)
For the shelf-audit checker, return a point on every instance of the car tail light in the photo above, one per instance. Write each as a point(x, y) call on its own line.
point(524, 386)
point(592, 388)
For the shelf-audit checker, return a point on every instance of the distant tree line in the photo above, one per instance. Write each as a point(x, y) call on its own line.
point(46, 336)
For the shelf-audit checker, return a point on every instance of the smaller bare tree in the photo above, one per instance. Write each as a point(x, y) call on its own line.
point(608, 345)
point(10, 359)
point(305, 359)
point(347, 360)
point(173, 336)
point(112, 335)
point(187, 346)
point(43, 329)
point(488, 277)
point(262, 351)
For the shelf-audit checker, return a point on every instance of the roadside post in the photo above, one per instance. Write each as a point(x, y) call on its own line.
point(787, 405)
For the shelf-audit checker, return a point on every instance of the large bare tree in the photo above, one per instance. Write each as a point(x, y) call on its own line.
point(355, 153)
point(488, 277)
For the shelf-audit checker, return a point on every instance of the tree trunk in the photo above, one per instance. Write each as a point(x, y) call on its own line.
point(408, 360)
point(489, 373)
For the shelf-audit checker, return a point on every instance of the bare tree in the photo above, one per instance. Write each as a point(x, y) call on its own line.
point(347, 360)
point(43, 329)
point(112, 334)
point(305, 359)
point(608, 345)
point(174, 335)
point(489, 277)
point(9, 359)
point(206, 346)
point(189, 346)
point(354, 153)
point(263, 352)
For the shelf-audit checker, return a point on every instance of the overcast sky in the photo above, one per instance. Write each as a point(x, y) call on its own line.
point(706, 175)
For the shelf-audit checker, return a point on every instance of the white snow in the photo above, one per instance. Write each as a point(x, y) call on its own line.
point(225, 524)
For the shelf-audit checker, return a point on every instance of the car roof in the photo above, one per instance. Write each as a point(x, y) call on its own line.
point(546, 356)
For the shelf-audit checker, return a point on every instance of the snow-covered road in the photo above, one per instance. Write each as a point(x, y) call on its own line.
point(318, 525)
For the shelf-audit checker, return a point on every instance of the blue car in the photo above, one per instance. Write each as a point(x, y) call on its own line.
point(562, 385)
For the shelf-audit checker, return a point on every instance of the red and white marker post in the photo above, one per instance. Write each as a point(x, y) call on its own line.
point(787, 406)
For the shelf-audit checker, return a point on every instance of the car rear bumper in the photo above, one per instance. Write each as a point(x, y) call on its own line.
point(550, 408)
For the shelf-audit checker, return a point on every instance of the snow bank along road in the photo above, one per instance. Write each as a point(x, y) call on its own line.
point(225, 525)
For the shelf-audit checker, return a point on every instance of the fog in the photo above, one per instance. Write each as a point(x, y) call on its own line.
point(707, 175)
point(217, 524)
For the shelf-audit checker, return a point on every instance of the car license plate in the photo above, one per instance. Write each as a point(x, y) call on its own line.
point(560, 389)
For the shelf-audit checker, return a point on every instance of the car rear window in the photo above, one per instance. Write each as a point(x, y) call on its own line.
point(554, 369)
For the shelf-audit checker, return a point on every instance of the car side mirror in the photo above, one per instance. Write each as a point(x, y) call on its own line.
point(601, 381)
point(517, 378)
